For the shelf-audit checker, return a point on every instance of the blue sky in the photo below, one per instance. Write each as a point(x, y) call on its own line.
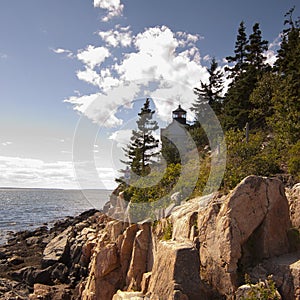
point(56, 56)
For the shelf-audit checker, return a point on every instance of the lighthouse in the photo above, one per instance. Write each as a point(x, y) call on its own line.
point(174, 136)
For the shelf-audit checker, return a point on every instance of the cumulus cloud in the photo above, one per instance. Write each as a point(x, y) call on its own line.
point(121, 36)
point(93, 56)
point(89, 75)
point(114, 8)
point(161, 63)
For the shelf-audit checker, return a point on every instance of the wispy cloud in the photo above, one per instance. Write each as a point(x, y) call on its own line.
point(27, 172)
point(114, 8)
point(6, 143)
point(207, 57)
point(63, 51)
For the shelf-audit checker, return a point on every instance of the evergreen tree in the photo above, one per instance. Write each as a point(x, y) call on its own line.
point(239, 59)
point(143, 146)
point(211, 92)
point(255, 49)
point(285, 120)
point(287, 62)
point(237, 105)
point(261, 100)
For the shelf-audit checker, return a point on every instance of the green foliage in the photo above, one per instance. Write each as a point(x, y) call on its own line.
point(210, 92)
point(266, 98)
point(261, 100)
point(143, 146)
point(169, 152)
point(288, 54)
point(294, 160)
point(255, 49)
point(249, 67)
point(286, 107)
point(167, 231)
point(257, 157)
point(239, 58)
point(262, 290)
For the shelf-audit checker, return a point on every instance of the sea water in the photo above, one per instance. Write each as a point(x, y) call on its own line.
point(26, 209)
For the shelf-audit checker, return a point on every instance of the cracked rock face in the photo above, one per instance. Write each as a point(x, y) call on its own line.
point(250, 225)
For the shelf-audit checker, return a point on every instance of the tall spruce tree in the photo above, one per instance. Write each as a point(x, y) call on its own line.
point(210, 92)
point(239, 59)
point(143, 145)
point(245, 74)
point(286, 102)
point(287, 62)
point(255, 50)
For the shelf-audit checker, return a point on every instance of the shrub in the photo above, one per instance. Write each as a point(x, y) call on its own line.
point(167, 232)
point(263, 290)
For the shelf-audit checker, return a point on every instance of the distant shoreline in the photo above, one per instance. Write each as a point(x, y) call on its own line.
point(52, 189)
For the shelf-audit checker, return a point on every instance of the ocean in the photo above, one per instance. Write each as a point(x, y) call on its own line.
point(27, 209)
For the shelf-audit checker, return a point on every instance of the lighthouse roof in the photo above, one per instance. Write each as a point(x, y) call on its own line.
point(179, 110)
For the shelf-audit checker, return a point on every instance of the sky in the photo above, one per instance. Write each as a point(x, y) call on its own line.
point(70, 69)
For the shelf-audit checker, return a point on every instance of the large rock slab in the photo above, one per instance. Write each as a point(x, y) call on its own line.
point(183, 217)
point(248, 225)
point(126, 248)
point(57, 250)
point(293, 195)
point(176, 272)
point(107, 260)
point(139, 260)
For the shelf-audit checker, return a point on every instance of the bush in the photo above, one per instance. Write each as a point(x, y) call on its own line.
point(257, 157)
point(294, 160)
point(263, 290)
point(167, 232)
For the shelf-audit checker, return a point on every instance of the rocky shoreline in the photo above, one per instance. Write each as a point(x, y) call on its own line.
point(49, 257)
point(202, 250)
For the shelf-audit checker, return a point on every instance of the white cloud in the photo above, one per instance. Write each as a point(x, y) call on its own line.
point(89, 75)
point(101, 108)
point(169, 60)
point(28, 172)
point(207, 57)
point(119, 37)
point(271, 57)
point(63, 51)
point(93, 56)
point(59, 51)
point(6, 144)
point(271, 53)
point(113, 7)
point(121, 137)
point(187, 38)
